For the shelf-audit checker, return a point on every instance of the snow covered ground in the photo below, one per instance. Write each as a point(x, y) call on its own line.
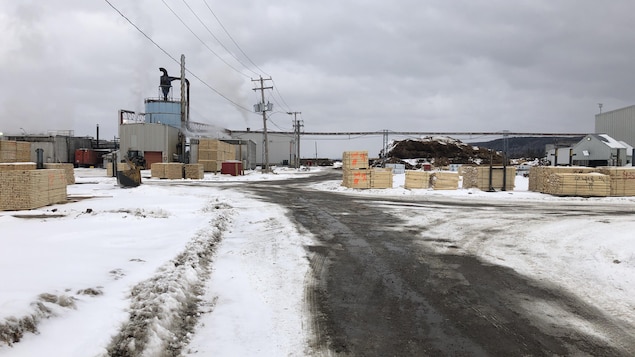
point(77, 272)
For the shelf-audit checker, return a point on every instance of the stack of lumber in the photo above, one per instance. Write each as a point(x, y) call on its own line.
point(417, 179)
point(194, 171)
point(15, 151)
point(355, 160)
point(29, 189)
point(622, 180)
point(355, 169)
point(540, 176)
point(17, 166)
point(444, 180)
point(212, 153)
point(381, 178)
point(69, 170)
point(356, 178)
point(578, 184)
point(479, 177)
point(167, 170)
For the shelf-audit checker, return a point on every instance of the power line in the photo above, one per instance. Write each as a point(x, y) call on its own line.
point(231, 38)
point(202, 42)
point(174, 59)
point(216, 38)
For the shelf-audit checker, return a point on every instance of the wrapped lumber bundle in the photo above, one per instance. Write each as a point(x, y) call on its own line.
point(174, 170)
point(157, 170)
point(539, 176)
point(381, 178)
point(444, 180)
point(417, 179)
point(622, 180)
point(69, 170)
point(14, 166)
point(212, 152)
point(29, 189)
point(356, 178)
point(479, 177)
point(355, 160)
point(578, 184)
point(194, 171)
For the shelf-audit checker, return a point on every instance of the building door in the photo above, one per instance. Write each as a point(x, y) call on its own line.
point(152, 157)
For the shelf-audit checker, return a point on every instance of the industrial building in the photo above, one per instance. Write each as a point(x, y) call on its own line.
point(618, 124)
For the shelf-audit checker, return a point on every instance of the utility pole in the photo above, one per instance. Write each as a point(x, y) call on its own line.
point(297, 124)
point(262, 107)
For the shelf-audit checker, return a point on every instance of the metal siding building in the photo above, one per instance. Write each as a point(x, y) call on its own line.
point(600, 150)
point(281, 147)
point(149, 138)
point(618, 124)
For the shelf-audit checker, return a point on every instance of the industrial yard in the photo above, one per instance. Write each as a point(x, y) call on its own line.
point(294, 263)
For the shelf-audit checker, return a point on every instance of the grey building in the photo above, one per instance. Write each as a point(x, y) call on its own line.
point(618, 124)
point(601, 150)
point(156, 142)
point(281, 146)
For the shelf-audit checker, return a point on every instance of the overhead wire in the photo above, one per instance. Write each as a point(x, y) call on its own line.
point(232, 39)
point(216, 38)
point(275, 86)
point(173, 58)
point(202, 42)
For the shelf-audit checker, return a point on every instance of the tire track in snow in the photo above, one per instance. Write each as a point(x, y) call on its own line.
point(164, 309)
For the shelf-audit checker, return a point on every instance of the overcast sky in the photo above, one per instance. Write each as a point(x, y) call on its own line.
point(405, 65)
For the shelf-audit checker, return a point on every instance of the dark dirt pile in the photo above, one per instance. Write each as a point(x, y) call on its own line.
point(441, 151)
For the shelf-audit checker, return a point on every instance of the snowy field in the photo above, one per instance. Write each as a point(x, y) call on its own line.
point(75, 273)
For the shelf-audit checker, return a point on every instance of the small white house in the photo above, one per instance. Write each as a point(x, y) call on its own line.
point(601, 150)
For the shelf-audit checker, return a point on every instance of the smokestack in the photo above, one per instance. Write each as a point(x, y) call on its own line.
point(97, 136)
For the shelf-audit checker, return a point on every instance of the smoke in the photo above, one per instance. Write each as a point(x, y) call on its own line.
point(144, 66)
point(232, 86)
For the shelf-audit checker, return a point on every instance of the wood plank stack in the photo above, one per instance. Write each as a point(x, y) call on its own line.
point(212, 153)
point(356, 178)
point(15, 151)
point(381, 178)
point(579, 184)
point(417, 179)
point(540, 176)
point(622, 180)
point(355, 160)
point(355, 169)
point(69, 170)
point(194, 171)
point(444, 180)
point(29, 189)
point(479, 177)
point(15, 166)
point(167, 170)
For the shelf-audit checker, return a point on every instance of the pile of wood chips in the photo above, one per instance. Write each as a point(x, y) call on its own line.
point(417, 179)
point(479, 177)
